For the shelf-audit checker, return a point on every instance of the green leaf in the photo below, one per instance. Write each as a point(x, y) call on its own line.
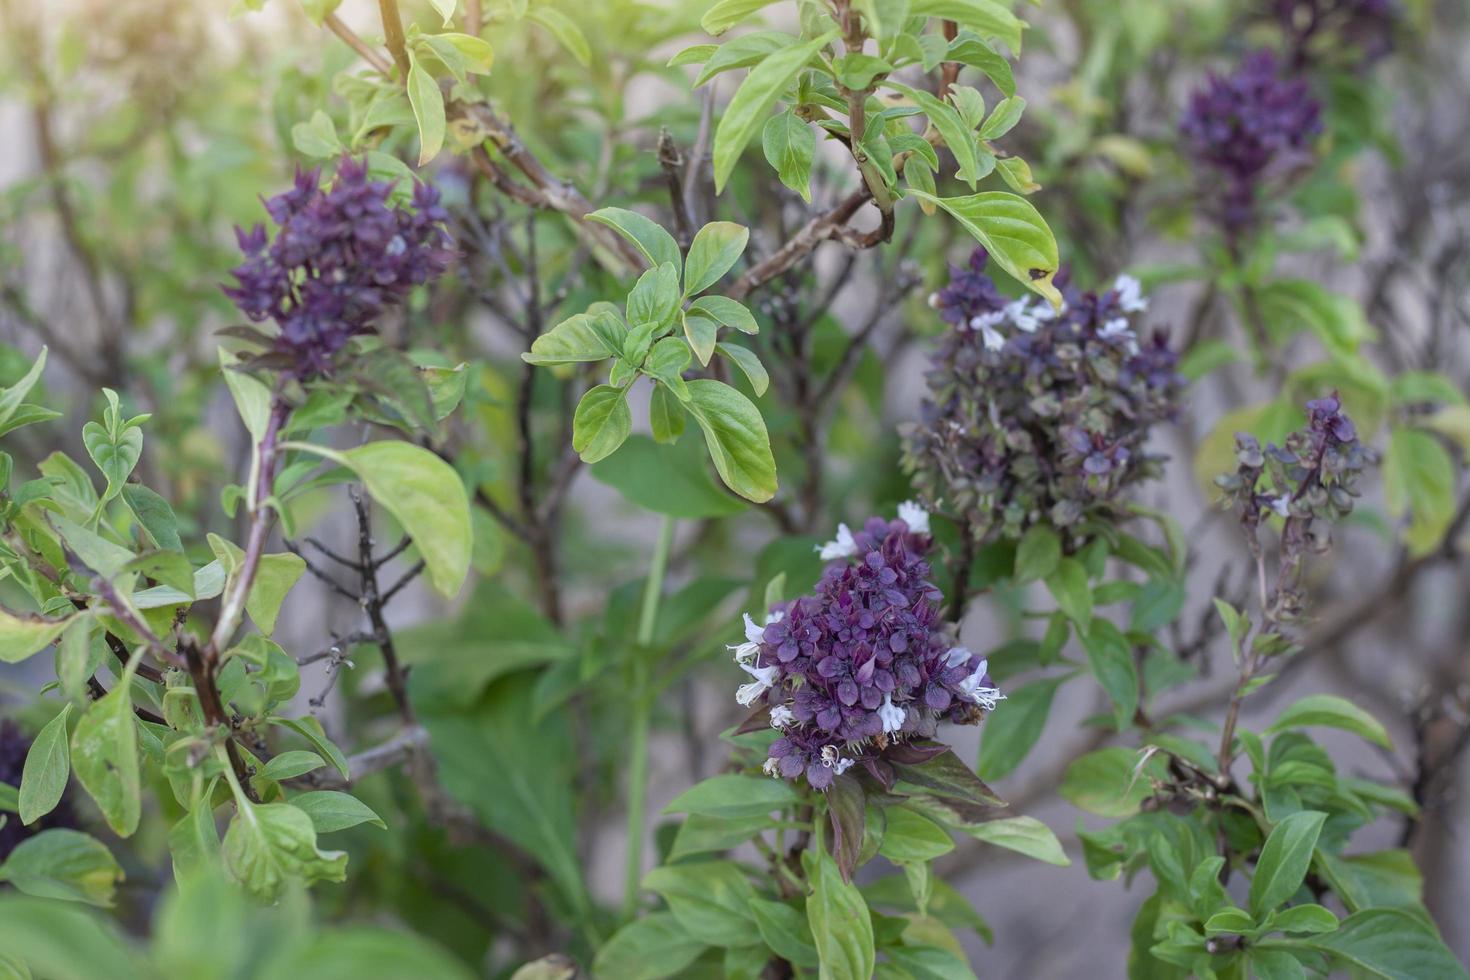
point(63, 864)
point(726, 311)
point(332, 811)
point(839, 920)
point(1274, 964)
point(1003, 118)
point(115, 456)
point(785, 930)
point(12, 398)
point(1025, 835)
point(1038, 554)
point(601, 423)
point(565, 30)
point(749, 364)
point(47, 768)
point(63, 941)
point(104, 756)
point(1331, 712)
point(650, 948)
point(424, 494)
point(654, 299)
point(666, 479)
point(311, 730)
point(1419, 478)
point(1229, 920)
point(289, 765)
point(736, 437)
point(445, 9)
point(367, 951)
point(988, 18)
point(665, 415)
point(857, 70)
point(699, 834)
point(789, 144)
point(275, 575)
point(252, 398)
point(657, 245)
point(1111, 660)
point(316, 138)
point(912, 837)
point(1285, 858)
point(1304, 918)
point(154, 514)
point(24, 636)
point(581, 338)
point(1111, 782)
point(428, 110)
point(727, 13)
point(967, 49)
point(270, 846)
point(733, 796)
point(1067, 584)
point(747, 109)
point(1008, 735)
point(715, 249)
point(957, 136)
point(711, 900)
point(1014, 234)
point(701, 335)
point(1388, 943)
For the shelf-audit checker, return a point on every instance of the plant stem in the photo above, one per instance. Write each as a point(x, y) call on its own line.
point(638, 737)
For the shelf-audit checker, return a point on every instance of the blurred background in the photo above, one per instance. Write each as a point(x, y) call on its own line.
point(139, 132)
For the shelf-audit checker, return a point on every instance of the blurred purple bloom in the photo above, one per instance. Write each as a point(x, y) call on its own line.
point(340, 258)
point(1249, 126)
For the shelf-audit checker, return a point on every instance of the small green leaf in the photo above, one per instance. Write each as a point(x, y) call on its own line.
point(289, 765)
point(580, 338)
point(1013, 232)
point(746, 111)
point(331, 811)
point(839, 919)
point(727, 13)
point(749, 364)
point(1111, 782)
point(1038, 554)
point(1388, 943)
point(913, 837)
point(445, 9)
point(47, 768)
point(428, 109)
point(1285, 858)
point(63, 864)
point(1003, 118)
point(1067, 584)
point(1328, 711)
point(665, 415)
point(736, 436)
point(789, 144)
point(1007, 736)
point(1111, 660)
point(104, 755)
point(710, 899)
point(734, 796)
point(988, 18)
point(657, 245)
point(648, 948)
point(311, 730)
point(715, 249)
point(565, 30)
point(154, 514)
point(1304, 918)
point(268, 847)
point(1024, 835)
point(601, 423)
point(115, 456)
point(23, 636)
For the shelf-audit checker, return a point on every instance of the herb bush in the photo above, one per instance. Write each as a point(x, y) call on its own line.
point(680, 489)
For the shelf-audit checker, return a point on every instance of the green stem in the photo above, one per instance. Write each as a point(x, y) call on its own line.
point(642, 706)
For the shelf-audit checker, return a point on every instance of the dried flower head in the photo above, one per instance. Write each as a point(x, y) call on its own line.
point(864, 662)
point(1248, 127)
point(1035, 416)
point(1310, 481)
point(341, 256)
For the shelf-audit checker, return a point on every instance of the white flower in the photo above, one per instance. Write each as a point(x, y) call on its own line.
point(1116, 327)
point(916, 517)
point(1282, 504)
point(934, 301)
point(754, 635)
point(957, 656)
point(781, 716)
point(843, 546)
point(971, 689)
point(986, 324)
point(1130, 294)
point(1045, 314)
point(764, 678)
point(833, 761)
point(1021, 315)
point(769, 768)
point(891, 714)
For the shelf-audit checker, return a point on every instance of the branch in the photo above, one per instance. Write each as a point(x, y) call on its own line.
point(828, 225)
point(374, 760)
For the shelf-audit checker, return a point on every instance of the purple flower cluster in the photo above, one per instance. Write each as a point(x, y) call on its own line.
point(1035, 416)
point(13, 749)
point(1248, 127)
point(864, 662)
point(340, 257)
